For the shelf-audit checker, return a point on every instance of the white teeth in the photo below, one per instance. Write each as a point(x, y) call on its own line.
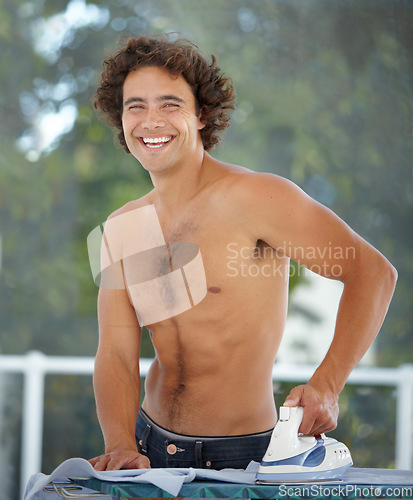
point(156, 140)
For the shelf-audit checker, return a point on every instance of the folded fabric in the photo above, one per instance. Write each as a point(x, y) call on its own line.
point(56, 490)
point(171, 480)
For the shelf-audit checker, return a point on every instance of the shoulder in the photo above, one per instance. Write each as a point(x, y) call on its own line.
point(252, 188)
point(130, 206)
point(134, 227)
point(267, 204)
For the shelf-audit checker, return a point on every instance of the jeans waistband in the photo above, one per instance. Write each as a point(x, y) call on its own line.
point(184, 437)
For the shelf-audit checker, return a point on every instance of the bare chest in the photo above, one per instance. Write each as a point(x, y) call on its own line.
point(179, 267)
point(200, 236)
point(201, 253)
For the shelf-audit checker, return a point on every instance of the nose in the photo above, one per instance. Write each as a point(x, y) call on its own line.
point(152, 120)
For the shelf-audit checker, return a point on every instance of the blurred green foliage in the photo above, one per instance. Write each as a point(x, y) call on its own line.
point(325, 98)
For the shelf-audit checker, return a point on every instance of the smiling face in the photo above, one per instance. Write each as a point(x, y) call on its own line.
point(159, 119)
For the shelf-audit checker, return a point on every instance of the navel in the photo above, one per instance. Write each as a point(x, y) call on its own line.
point(214, 289)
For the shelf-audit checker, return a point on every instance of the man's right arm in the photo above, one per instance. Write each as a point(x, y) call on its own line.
point(117, 382)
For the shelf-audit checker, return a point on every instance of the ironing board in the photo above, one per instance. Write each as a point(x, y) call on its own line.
point(357, 484)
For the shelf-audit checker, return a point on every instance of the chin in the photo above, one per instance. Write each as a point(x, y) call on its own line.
point(154, 169)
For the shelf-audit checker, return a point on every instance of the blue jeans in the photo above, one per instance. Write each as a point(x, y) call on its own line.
point(168, 449)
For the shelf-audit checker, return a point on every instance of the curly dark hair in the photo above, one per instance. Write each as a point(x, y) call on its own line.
point(214, 92)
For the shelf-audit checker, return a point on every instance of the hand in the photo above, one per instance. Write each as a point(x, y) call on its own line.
point(320, 408)
point(122, 459)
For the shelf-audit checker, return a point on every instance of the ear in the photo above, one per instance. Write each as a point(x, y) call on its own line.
point(201, 121)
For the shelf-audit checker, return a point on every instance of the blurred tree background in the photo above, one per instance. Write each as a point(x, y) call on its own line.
point(325, 98)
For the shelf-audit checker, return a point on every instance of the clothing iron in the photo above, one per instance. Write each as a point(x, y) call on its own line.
point(294, 458)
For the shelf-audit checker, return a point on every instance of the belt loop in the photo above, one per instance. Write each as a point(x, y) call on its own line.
point(198, 454)
point(143, 441)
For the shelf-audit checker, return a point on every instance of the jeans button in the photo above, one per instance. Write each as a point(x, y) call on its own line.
point(171, 449)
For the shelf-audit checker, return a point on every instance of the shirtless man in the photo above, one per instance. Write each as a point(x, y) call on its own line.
point(209, 394)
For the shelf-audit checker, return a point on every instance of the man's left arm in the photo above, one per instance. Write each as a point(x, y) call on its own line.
point(369, 281)
point(310, 233)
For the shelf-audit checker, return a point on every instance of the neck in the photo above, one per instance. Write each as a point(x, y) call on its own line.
point(176, 187)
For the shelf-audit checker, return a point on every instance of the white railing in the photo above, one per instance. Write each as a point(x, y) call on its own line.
point(35, 365)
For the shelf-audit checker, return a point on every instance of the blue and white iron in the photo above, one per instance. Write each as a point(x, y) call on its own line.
point(294, 458)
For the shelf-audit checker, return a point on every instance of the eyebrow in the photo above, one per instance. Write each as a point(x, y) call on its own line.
point(162, 98)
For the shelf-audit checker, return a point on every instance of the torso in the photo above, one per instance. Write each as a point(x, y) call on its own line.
point(213, 365)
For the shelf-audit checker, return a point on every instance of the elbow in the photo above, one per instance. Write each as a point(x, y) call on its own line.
point(387, 274)
point(376, 269)
point(393, 275)
point(373, 272)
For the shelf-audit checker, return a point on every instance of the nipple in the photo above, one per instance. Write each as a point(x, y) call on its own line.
point(214, 289)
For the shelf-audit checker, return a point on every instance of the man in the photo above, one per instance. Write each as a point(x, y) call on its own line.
point(208, 394)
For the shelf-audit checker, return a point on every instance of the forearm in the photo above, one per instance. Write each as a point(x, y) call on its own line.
point(117, 394)
point(363, 307)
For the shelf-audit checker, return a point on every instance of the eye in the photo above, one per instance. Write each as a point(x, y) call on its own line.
point(171, 105)
point(135, 106)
